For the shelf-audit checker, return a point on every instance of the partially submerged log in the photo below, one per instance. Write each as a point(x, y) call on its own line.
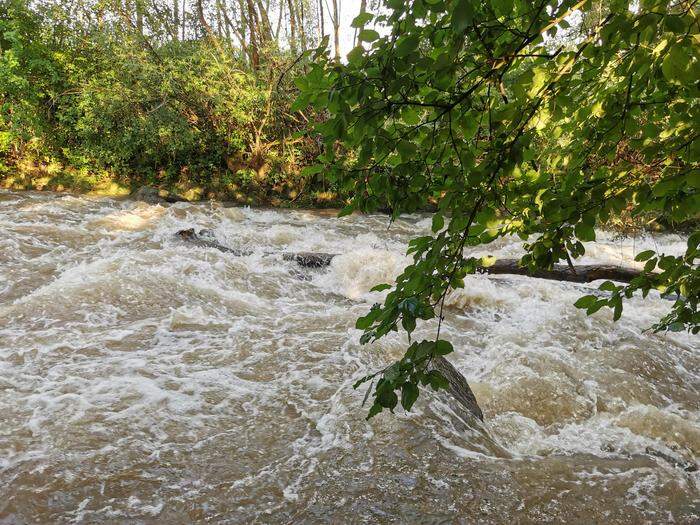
point(309, 259)
point(205, 239)
point(560, 272)
point(585, 273)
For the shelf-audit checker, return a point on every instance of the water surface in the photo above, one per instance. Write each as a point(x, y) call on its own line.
point(144, 380)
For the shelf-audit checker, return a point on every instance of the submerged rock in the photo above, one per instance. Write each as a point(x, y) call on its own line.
point(309, 259)
point(459, 388)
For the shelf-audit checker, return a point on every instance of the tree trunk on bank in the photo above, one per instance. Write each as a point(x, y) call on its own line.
point(336, 29)
point(184, 18)
point(363, 9)
point(139, 16)
point(252, 31)
point(292, 27)
point(176, 19)
point(321, 21)
point(302, 26)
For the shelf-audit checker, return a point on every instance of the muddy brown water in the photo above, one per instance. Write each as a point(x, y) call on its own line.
point(143, 380)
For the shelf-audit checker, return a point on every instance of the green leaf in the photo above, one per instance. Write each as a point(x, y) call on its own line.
point(462, 16)
point(502, 7)
point(406, 45)
point(368, 35)
point(617, 310)
point(366, 321)
point(443, 347)
point(437, 380)
point(355, 55)
point(585, 232)
point(312, 170)
point(406, 149)
point(409, 394)
point(608, 286)
point(676, 327)
point(375, 409)
point(597, 305)
point(676, 65)
point(361, 19)
point(380, 288)
point(643, 256)
point(387, 399)
point(488, 261)
point(675, 24)
point(410, 116)
point(438, 222)
point(650, 265)
point(586, 301)
point(347, 210)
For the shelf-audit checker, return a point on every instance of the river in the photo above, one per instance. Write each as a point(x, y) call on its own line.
point(145, 380)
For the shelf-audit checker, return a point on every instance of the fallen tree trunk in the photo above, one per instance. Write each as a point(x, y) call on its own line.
point(560, 272)
point(584, 273)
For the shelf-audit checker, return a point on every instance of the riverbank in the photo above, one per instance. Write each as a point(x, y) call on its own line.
point(221, 187)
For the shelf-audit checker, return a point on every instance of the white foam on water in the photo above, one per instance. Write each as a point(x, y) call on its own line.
point(355, 273)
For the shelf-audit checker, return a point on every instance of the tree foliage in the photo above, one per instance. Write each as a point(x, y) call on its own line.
point(475, 106)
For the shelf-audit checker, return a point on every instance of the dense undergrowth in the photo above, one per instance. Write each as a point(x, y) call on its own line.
point(105, 110)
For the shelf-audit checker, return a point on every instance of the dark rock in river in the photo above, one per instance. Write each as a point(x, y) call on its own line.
point(309, 259)
point(459, 388)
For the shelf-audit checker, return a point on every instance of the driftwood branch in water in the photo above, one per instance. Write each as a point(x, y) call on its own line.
point(205, 239)
point(560, 272)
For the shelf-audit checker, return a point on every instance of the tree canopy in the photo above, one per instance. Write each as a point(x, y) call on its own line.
point(480, 108)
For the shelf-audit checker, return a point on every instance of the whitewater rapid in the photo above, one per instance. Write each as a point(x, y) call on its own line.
point(145, 380)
